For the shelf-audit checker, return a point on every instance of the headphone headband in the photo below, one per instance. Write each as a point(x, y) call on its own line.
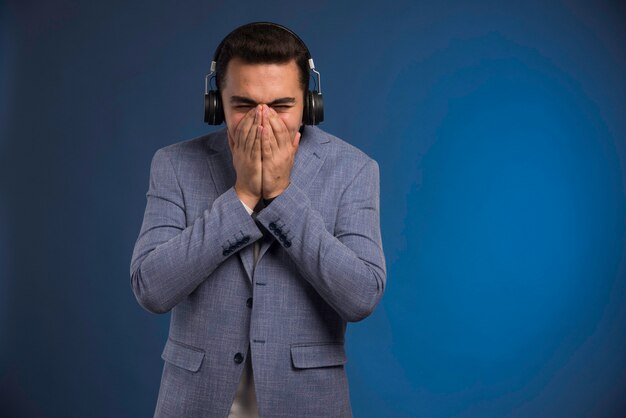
point(216, 55)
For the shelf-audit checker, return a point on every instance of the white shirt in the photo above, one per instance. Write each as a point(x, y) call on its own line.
point(245, 403)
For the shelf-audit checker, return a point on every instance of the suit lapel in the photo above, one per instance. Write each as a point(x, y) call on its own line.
point(220, 162)
point(309, 159)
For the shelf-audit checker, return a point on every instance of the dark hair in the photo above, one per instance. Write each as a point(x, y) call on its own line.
point(262, 43)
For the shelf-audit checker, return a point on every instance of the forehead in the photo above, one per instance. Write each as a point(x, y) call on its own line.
point(262, 82)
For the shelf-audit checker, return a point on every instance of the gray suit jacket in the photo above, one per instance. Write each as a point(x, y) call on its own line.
point(321, 265)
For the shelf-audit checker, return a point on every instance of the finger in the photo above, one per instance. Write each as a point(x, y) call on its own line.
point(231, 141)
point(249, 138)
point(260, 128)
point(244, 127)
point(279, 128)
point(249, 141)
point(267, 141)
point(273, 137)
point(256, 146)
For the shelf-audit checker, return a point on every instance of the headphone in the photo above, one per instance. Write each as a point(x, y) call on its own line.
point(313, 113)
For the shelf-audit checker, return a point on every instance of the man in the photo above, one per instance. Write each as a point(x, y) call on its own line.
point(263, 240)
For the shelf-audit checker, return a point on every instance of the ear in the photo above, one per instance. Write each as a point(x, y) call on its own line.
point(296, 140)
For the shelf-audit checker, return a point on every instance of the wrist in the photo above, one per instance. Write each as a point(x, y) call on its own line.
point(250, 200)
point(275, 194)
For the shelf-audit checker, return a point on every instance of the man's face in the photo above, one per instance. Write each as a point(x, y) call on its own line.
point(276, 85)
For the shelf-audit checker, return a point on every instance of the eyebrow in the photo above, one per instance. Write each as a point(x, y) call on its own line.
point(248, 101)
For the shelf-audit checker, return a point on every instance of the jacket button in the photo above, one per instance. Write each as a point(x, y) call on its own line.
point(249, 303)
point(272, 226)
point(226, 252)
point(238, 358)
point(287, 244)
point(246, 239)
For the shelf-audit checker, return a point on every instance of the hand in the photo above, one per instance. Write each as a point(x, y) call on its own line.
point(279, 147)
point(245, 145)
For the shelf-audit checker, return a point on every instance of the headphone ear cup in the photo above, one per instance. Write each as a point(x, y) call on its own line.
point(306, 113)
point(317, 102)
point(213, 110)
point(313, 113)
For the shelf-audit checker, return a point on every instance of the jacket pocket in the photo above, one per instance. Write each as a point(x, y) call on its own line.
point(182, 355)
point(309, 355)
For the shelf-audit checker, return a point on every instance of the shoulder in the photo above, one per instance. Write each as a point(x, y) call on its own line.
point(340, 152)
point(187, 150)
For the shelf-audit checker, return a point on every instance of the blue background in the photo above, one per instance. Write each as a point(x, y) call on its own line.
point(500, 132)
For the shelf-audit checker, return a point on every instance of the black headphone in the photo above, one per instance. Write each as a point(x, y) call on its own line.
point(313, 112)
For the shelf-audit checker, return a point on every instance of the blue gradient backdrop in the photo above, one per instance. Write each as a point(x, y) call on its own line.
point(500, 132)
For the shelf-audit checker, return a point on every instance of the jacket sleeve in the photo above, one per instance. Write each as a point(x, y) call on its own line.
point(346, 268)
point(170, 259)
